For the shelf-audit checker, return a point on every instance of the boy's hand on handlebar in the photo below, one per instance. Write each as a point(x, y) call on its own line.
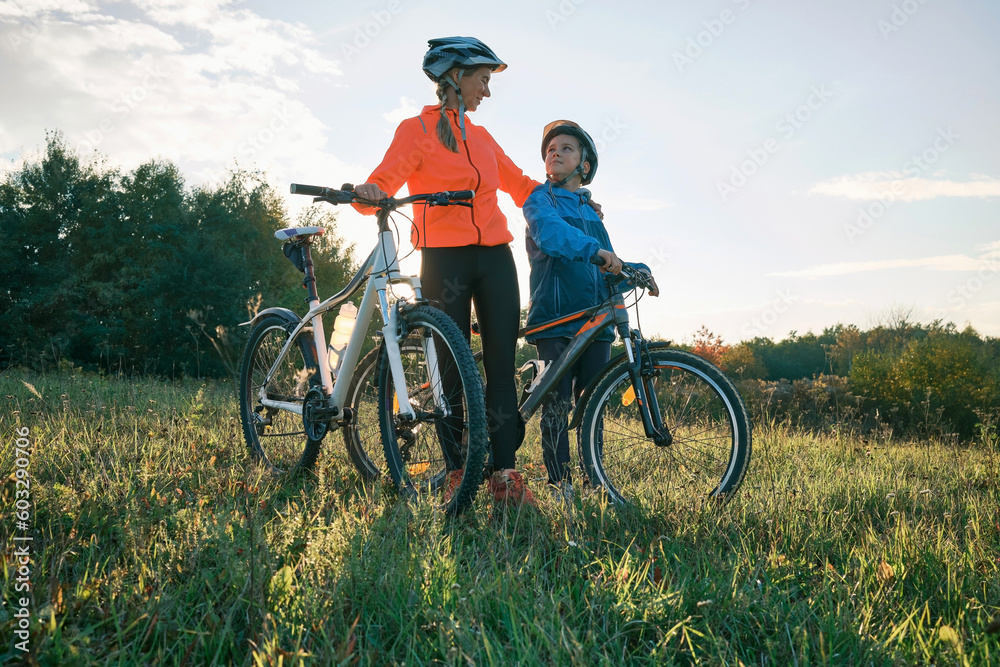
point(651, 288)
point(611, 262)
point(370, 191)
point(645, 279)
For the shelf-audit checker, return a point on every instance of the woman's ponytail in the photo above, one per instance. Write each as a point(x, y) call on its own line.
point(445, 133)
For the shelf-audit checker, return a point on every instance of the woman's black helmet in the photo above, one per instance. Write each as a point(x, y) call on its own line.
point(588, 152)
point(465, 52)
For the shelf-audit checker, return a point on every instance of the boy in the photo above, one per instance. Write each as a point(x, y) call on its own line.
point(563, 233)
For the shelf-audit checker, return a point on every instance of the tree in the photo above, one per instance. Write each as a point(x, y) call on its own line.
point(708, 345)
point(132, 272)
point(743, 362)
point(48, 211)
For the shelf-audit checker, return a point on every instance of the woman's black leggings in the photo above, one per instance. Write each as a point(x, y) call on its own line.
point(455, 278)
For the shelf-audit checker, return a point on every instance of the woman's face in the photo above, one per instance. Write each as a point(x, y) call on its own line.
point(475, 85)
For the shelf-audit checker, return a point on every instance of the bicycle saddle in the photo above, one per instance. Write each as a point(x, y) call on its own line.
point(297, 232)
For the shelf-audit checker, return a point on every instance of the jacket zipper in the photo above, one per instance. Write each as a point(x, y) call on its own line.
point(479, 179)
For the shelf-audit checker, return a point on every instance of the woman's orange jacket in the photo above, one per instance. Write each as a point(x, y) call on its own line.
point(418, 158)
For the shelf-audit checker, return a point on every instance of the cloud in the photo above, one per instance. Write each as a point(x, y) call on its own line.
point(938, 263)
point(633, 204)
point(200, 84)
point(991, 250)
point(745, 309)
point(897, 186)
point(25, 10)
point(407, 109)
point(183, 12)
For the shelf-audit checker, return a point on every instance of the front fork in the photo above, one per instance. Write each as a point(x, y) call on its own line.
point(392, 334)
point(643, 374)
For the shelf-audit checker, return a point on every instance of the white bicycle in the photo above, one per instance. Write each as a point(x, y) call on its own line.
point(432, 415)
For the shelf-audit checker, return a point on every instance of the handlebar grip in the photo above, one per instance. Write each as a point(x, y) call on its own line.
point(462, 194)
point(597, 260)
point(313, 190)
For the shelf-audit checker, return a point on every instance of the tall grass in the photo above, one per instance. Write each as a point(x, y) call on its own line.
point(158, 542)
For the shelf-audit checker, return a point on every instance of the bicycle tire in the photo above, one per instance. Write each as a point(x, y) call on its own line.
point(419, 458)
point(362, 435)
point(276, 438)
point(705, 415)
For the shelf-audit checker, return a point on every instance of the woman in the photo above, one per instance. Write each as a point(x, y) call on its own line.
point(466, 252)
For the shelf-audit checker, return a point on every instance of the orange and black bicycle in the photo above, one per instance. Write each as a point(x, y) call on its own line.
point(657, 424)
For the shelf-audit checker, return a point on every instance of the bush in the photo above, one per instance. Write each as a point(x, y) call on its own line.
point(935, 385)
point(808, 403)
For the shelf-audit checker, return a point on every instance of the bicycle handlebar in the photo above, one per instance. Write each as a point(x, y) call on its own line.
point(346, 195)
point(638, 277)
point(314, 190)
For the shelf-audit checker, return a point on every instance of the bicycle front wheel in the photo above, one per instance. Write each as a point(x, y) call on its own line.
point(447, 429)
point(708, 425)
point(362, 435)
point(276, 437)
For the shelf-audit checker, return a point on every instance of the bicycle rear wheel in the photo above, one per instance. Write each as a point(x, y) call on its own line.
point(703, 413)
point(448, 430)
point(276, 437)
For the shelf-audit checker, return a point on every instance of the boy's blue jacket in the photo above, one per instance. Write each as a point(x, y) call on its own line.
point(563, 233)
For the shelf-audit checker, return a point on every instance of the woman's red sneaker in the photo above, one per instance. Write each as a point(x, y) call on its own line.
point(508, 487)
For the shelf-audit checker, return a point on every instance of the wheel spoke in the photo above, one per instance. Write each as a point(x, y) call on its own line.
point(696, 403)
point(281, 444)
point(445, 395)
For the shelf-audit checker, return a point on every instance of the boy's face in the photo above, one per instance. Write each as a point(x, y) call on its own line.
point(562, 157)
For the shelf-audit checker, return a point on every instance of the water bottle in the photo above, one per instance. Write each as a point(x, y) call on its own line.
point(343, 327)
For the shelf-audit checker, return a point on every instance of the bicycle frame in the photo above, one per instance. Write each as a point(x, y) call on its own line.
point(377, 273)
point(595, 319)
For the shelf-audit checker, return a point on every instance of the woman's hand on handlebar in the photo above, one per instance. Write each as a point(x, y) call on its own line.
point(611, 262)
point(369, 191)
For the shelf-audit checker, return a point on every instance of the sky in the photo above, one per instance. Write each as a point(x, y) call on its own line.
point(782, 166)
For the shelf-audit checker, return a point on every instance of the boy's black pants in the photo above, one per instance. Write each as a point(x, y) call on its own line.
point(564, 394)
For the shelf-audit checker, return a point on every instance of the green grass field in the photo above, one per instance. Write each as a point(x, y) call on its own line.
point(156, 541)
